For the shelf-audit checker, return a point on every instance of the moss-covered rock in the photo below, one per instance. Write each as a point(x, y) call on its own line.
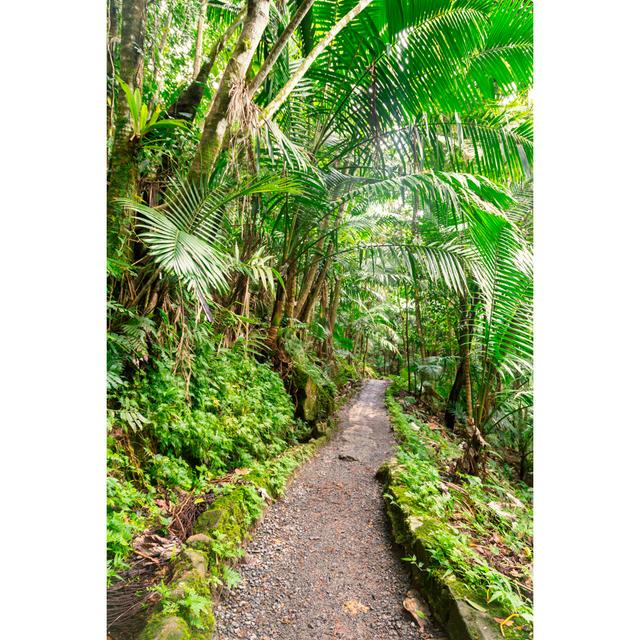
point(199, 541)
point(314, 393)
point(207, 521)
point(195, 561)
point(163, 627)
point(447, 597)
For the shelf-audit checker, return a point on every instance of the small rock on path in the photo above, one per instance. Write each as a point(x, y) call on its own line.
point(322, 565)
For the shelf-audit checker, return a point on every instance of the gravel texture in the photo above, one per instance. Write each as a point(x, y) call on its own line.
point(322, 564)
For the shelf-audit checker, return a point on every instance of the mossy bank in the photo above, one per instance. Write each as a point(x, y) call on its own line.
point(440, 520)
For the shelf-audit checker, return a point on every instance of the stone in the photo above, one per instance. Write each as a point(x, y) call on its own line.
point(207, 521)
point(166, 628)
point(198, 561)
point(199, 541)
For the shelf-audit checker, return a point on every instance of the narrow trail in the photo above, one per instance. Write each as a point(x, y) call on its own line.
point(322, 564)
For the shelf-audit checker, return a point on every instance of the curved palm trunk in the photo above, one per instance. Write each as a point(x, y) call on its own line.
point(197, 59)
point(473, 460)
point(333, 314)
point(275, 52)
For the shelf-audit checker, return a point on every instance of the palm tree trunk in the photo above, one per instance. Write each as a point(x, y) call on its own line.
point(276, 316)
point(406, 340)
point(112, 36)
point(454, 394)
point(275, 52)
point(333, 314)
point(364, 357)
point(423, 353)
point(217, 122)
point(467, 320)
point(158, 76)
point(473, 460)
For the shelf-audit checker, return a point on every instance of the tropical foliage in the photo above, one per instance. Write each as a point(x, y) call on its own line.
point(324, 188)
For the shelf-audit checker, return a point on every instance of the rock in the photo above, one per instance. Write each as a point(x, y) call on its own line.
point(207, 521)
point(199, 541)
point(171, 628)
point(416, 607)
point(198, 561)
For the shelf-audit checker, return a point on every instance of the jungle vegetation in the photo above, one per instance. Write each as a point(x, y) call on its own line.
point(324, 189)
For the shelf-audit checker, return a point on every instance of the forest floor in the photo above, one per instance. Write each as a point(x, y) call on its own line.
point(322, 564)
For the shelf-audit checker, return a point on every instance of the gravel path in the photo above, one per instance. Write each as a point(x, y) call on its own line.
point(322, 564)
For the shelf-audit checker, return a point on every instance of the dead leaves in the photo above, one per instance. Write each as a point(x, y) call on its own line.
point(156, 548)
point(416, 607)
point(354, 607)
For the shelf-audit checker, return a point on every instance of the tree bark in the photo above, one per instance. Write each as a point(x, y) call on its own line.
point(275, 52)
point(473, 459)
point(158, 76)
point(123, 169)
point(217, 122)
point(326, 40)
point(406, 340)
point(454, 394)
point(333, 314)
point(276, 316)
point(189, 100)
point(197, 58)
point(112, 37)
point(290, 298)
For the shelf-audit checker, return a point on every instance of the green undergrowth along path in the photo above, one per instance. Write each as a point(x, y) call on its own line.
point(173, 434)
point(475, 534)
point(205, 564)
point(196, 451)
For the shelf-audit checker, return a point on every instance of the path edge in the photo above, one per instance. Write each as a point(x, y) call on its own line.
point(236, 514)
point(457, 617)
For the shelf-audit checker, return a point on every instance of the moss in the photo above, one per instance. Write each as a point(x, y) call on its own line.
point(314, 391)
point(163, 627)
point(199, 541)
point(420, 536)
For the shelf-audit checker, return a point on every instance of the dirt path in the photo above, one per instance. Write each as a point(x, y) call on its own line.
point(322, 564)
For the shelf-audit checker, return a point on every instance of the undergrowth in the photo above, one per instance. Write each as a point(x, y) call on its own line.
point(174, 427)
point(477, 531)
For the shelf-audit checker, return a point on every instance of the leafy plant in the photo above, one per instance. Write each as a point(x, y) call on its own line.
point(143, 120)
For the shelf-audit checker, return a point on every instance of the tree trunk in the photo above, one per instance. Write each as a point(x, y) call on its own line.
point(112, 37)
point(326, 40)
point(123, 169)
point(473, 459)
point(290, 301)
point(217, 122)
point(454, 394)
point(333, 313)
point(406, 340)
point(189, 100)
point(275, 52)
point(467, 320)
point(416, 297)
point(158, 76)
point(310, 275)
point(364, 357)
point(276, 316)
point(197, 59)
